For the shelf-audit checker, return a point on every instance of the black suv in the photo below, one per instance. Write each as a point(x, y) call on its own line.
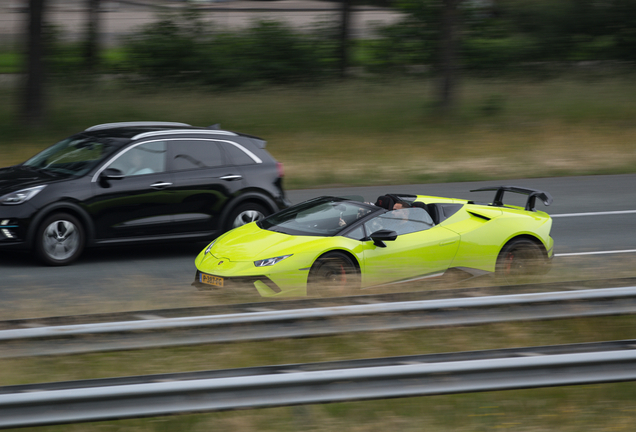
point(129, 182)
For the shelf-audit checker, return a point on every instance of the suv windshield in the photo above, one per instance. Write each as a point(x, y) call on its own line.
point(73, 156)
point(325, 216)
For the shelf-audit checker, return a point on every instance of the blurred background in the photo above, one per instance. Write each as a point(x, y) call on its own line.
point(347, 93)
point(495, 82)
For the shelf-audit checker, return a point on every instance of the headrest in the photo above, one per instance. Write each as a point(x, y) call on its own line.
point(419, 204)
point(385, 201)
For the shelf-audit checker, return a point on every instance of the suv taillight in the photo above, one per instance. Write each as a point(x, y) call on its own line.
point(281, 171)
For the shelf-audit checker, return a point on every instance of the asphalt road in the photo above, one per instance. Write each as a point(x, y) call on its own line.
point(160, 276)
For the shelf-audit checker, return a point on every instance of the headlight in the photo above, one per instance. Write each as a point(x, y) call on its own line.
point(270, 261)
point(21, 196)
point(209, 248)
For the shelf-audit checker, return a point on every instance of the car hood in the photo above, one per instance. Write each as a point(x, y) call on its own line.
point(18, 177)
point(249, 243)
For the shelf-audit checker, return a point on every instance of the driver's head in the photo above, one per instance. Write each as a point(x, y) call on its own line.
point(385, 201)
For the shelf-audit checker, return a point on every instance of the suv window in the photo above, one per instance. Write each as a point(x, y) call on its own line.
point(75, 156)
point(196, 154)
point(238, 156)
point(147, 158)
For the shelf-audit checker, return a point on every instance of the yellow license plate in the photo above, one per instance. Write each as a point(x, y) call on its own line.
point(211, 280)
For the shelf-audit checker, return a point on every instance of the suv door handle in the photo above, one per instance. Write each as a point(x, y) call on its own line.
point(160, 185)
point(231, 177)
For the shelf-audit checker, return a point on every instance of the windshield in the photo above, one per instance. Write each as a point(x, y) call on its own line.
point(325, 216)
point(72, 156)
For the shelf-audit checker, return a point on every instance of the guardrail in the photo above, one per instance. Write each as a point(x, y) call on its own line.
point(158, 395)
point(84, 338)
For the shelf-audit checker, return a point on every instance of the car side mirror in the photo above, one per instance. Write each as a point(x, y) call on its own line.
point(109, 174)
point(112, 174)
point(379, 237)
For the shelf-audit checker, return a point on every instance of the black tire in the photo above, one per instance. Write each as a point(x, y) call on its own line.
point(60, 239)
point(520, 260)
point(246, 213)
point(333, 274)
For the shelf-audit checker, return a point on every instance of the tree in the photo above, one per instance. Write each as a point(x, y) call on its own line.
point(32, 114)
point(344, 37)
point(448, 57)
point(435, 24)
point(91, 53)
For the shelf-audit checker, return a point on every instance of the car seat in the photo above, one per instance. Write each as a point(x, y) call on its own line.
point(431, 209)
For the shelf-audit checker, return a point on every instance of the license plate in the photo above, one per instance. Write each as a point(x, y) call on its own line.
point(211, 280)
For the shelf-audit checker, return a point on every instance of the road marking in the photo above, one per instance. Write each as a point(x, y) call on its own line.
point(594, 213)
point(596, 253)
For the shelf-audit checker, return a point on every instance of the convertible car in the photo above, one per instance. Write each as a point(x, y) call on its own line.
point(341, 245)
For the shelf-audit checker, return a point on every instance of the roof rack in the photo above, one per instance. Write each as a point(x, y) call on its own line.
point(133, 124)
point(183, 131)
point(533, 194)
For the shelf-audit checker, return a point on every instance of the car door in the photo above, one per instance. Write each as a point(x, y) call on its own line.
point(138, 204)
point(420, 248)
point(204, 182)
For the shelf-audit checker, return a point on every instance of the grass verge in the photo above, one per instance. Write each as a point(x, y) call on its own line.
point(378, 132)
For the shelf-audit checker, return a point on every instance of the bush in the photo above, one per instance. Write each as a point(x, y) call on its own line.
point(182, 48)
point(399, 46)
point(497, 54)
point(167, 49)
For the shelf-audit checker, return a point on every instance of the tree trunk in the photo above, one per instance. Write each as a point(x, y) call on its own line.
point(32, 114)
point(448, 58)
point(91, 54)
point(344, 37)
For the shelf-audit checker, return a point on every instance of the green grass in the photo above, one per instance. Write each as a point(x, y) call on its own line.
point(592, 407)
point(378, 132)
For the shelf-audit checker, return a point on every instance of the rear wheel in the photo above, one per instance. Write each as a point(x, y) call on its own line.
point(333, 274)
point(521, 260)
point(246, 213)
point(59, 240)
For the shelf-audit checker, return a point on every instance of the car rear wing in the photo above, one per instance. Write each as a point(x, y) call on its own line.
point(533, 194)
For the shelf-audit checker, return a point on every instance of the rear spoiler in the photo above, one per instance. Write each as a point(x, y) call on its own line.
point(258, 142)
point(533, 194)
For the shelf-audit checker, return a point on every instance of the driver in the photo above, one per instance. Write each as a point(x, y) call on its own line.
point(138, 165)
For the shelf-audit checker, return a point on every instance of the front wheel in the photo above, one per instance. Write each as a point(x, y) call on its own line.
point(333, 274)
point(519, 261)
point(59, 240)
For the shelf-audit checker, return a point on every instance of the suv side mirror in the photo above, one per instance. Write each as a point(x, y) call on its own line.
point(379, 237)
point(111, 174)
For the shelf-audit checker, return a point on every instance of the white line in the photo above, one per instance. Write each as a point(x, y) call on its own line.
point(596, 253)
point(594, 213)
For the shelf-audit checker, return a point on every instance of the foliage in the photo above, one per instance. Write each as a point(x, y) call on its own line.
point(65, 60)
point(183, 48)
point(495, 37)
point(506, 34)
point(9, 62)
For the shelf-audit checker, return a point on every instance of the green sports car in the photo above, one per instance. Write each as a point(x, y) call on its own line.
point(334, 244)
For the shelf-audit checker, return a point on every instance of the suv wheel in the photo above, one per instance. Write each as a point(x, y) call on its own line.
point(59, 240)
point(246, 213)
